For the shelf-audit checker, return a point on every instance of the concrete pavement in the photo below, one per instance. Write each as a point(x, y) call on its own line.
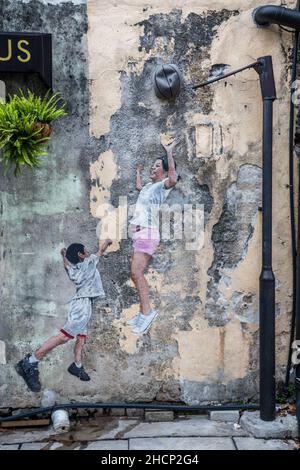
point(123, 433)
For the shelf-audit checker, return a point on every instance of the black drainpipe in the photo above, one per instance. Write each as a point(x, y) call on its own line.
point(272, 14)
point(264, 16)
point(143, 406)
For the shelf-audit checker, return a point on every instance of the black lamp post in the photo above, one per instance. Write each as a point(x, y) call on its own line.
point(265, 16)
point(264, 68)
point(267, 279)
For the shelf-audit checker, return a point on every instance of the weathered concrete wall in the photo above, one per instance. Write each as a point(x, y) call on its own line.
point(204, 345)
point(45, 210)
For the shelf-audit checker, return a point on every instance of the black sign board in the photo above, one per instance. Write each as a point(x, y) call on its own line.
point(27, 52)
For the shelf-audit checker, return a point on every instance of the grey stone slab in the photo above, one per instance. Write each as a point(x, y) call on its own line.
point(157, 416)
point(227, 416)
point(108, 445)
point(114, 429)
point(182, 443)
point(135, 412)
point(199, 427)
point(61, 446)
point(251, 443)
point(123, 426)
point(282, 427)
point(34, 446)
point(117, 412)
point(56, 445)
point(9, 447)
point(19, 437)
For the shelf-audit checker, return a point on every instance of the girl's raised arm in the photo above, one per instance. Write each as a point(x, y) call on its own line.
point(172, 175)
point(138, 183)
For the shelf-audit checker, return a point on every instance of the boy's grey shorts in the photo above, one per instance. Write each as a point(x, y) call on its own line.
point(79, 316)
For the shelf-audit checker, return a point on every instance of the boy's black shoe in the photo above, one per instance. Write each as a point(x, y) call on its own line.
point(78, 372)
point(30, 373)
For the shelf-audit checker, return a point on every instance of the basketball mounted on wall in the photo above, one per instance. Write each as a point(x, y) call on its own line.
point(167, 81)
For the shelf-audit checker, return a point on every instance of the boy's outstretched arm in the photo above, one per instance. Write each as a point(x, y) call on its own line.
point(67, 265)
point(172, 175)
point(103, 245)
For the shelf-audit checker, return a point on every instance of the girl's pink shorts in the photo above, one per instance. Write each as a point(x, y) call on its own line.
point(146, 240)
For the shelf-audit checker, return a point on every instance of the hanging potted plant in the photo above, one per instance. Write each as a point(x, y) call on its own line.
point(25, 128)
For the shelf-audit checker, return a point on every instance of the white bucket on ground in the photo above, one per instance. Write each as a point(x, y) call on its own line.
point(60, 421)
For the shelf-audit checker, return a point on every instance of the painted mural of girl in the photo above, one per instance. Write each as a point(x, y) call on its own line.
point(145, 226)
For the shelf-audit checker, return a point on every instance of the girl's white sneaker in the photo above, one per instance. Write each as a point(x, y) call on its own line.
point(134, 320)
point(144, 322)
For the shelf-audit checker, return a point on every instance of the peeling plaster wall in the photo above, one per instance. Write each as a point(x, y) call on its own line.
point(204, 345)
point(47, 209)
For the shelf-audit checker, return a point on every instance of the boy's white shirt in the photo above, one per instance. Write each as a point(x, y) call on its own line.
point(86, 278)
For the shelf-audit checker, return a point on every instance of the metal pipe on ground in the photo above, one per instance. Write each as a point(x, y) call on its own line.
point(146, 406)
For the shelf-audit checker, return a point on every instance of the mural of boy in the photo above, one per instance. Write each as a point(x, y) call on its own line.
point(81, 267)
